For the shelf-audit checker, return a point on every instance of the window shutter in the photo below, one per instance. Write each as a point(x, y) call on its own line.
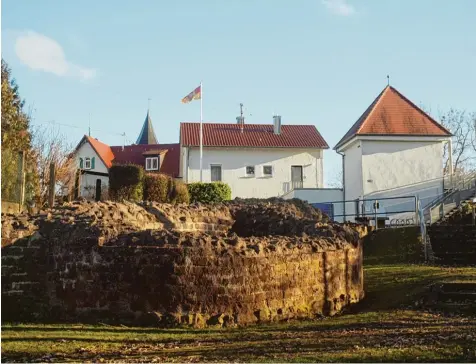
point(92, 162)
point(80, 162)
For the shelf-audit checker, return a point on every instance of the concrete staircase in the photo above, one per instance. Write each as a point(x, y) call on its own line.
point(438, 238)
point(463, 189)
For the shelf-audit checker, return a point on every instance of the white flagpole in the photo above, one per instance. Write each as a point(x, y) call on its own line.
point(201, 132)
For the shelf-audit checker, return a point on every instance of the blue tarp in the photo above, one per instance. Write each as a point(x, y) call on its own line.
point(327, 208)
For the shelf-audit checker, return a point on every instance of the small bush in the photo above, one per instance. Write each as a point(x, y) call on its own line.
point(180, 193)
point(126, 182)
point(163, 188)
point(209, 192)
point(156, 187)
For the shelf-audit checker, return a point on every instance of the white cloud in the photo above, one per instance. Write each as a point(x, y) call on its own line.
point(339, 7)
point(41, 53)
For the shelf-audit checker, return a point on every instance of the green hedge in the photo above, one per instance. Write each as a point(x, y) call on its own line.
point(209, 192)
point(126, 182)
point(162, 188)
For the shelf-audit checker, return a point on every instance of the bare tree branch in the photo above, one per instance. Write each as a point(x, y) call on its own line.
point(336, 180)
point(462, 126)
point(50, 146)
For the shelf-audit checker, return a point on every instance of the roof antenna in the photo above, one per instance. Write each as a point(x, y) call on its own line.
point(89, 127)
point(242, 120)
point(124, 142)
point(388, 80)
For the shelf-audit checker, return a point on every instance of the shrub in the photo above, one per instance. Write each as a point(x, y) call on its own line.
point(209, 192)
point(156, 187)
point(126, 182)
point(180, 193)
point(163, 188)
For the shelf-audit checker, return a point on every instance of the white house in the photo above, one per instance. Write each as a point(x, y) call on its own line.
point(393, 150)
point(393, 153)
point(258, 161)
point(255, 160)
point(94, 159)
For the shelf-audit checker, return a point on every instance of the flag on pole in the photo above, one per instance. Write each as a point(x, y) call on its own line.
point(197, 95)
point(194, 95)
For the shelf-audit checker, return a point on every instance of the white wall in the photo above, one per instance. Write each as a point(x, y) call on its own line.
point(88, 181)
point(352, 178)
point(88, 185)
point(234, 160)
point(85, 150)
point(314, 195)
point(391, 164)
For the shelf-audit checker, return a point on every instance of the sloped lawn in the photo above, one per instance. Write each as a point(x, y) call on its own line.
point(389, 325)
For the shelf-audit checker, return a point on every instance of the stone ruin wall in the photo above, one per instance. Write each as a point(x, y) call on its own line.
point(167, 265)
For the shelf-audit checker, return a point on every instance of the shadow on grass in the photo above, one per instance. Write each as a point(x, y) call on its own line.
point(307, 326)
point(319, 346)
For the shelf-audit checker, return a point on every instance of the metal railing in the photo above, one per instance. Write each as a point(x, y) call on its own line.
point(296, 184)
point(380, 212)
point(458, 187)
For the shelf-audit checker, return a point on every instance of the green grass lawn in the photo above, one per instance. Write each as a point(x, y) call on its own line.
point(388, 325)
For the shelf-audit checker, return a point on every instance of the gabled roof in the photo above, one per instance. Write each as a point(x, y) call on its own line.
point(391, 113)
point(136, 154)
point(102, 150)
point(147, 135)
point(253, 135)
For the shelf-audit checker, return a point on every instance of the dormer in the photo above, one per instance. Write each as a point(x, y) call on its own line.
point(153, 159)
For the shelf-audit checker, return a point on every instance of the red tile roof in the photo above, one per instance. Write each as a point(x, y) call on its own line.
point(134, 154)
point(391, 113)
point(253, 135)
point(102, 150)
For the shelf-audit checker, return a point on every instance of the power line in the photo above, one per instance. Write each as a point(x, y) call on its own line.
point(53, 122)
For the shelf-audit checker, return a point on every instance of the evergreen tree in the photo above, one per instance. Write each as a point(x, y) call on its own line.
point(16, 138)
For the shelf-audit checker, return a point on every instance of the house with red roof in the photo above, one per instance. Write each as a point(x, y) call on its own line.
point(393, 149)
point(393, 152)
point(94, 158)
point(256, 160)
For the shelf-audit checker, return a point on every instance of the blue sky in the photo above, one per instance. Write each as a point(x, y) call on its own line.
point(318, 62)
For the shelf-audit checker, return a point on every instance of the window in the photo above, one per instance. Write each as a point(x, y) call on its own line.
point(267, 171)
point(250, 171)
point(87, 163)
point(296, 177)
point(152, 164)
point(215, 171)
